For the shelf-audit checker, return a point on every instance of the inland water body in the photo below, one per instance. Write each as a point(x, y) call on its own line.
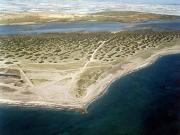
point(156, 25)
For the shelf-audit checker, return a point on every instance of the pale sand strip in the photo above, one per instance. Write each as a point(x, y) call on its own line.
point(97, 90)
point(25, 18)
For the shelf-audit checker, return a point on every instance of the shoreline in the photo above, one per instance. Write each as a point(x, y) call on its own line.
point(148, 62)
point(98, 89)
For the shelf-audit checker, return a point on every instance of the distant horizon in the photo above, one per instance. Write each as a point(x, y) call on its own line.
point(116, 1)
point(169, 7)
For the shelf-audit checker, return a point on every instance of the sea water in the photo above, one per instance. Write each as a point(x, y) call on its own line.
point(145, 102)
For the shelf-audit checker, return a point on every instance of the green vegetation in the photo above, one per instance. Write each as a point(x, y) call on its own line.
point(65, 47)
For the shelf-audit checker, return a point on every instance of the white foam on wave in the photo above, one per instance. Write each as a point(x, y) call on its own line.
point(84, 6)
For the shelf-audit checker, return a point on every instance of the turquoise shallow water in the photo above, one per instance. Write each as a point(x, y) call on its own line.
point(146, 102)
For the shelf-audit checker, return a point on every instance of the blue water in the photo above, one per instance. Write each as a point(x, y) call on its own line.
point(145, 102)
point(159, 25)
point(62, 27)
point(89, 26)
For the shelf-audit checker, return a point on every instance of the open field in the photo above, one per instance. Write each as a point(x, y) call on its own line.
point(71, 69)
point(126, 16)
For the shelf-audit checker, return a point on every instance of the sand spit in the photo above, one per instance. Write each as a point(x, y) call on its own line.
point(97, 89)
point(71, 70)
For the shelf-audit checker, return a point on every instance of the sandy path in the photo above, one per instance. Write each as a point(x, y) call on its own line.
point(76, 76)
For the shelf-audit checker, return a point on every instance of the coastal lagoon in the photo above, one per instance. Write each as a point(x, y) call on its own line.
point(156, 25)
point(62, 27)
point(145, 102)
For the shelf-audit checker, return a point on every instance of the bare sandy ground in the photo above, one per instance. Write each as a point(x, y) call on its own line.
point(98, 88)
point(41, 17)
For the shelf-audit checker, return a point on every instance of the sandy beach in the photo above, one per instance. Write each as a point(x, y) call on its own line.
point(71, 70)
point(135, 64)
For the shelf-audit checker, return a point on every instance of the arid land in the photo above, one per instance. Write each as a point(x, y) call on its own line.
point(116, 16)
point(70, 70)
